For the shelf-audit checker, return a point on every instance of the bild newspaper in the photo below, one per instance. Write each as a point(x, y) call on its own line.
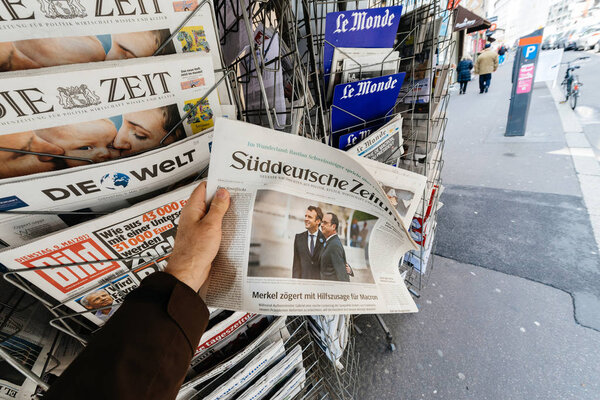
point(264, 265)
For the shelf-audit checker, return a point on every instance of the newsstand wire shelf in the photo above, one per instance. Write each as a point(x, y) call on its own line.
point(253, 77)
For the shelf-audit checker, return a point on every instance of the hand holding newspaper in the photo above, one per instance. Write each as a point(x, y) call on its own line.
point(273, 257)
point(267, 263)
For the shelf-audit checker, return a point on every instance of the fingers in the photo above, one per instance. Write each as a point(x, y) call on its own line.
point(218, 207)
point(195, 207)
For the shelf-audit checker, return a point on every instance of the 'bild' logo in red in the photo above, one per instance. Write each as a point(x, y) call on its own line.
point(67, 279)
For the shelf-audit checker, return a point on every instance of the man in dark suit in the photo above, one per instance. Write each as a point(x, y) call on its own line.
point(308, 246)
point(333, 257)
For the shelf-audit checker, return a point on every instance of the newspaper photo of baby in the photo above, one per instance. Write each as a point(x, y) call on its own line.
point(49, 52)
point(295, 237)
point(88, 142)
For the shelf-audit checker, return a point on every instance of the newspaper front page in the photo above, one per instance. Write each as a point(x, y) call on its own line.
point(62, 95)
point(141, 237)
point(102, 111)
point(104, 187)
point(46, 33)
point(268, 263)
point(26, 335)
point(384, 145)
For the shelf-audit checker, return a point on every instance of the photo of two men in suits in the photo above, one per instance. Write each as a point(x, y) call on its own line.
point(319, 253)
point(295, 237)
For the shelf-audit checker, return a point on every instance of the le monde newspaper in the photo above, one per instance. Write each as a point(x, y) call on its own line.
point(311, 230)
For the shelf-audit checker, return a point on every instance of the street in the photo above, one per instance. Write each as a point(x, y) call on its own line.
point(511, 309)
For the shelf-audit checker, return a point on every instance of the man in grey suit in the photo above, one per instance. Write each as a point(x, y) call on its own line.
point(333, 256)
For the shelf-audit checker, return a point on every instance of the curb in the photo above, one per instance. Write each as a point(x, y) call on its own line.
point(584, 160)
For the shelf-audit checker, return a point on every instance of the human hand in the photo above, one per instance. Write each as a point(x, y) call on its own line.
point(198, 237)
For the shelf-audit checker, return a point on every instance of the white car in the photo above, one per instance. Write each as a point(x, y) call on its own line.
point(588, 39)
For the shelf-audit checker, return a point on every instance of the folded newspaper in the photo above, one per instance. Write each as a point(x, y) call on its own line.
point(45, 33)
point(281, 187)
point(104, 187)
point(384, 145)
point(101, 111)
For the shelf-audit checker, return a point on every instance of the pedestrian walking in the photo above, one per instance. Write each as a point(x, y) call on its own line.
point(501, 54)
point(464, 73)
point(486, 64)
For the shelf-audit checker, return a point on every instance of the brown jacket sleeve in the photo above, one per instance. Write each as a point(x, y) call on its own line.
point(144, 349)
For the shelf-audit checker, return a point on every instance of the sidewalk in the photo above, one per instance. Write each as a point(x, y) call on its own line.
point(483, 335)
point(511, 205)
point(514, 204)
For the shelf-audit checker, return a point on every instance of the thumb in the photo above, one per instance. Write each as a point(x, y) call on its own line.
point(218, 206)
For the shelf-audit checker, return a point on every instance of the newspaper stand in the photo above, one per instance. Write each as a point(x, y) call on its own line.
point(298, 61)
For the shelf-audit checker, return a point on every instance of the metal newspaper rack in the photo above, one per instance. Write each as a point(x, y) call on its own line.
point(296, 60)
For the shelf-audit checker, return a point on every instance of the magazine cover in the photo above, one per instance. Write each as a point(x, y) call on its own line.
point(102, 111)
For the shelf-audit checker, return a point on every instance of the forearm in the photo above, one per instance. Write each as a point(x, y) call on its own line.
point(144, 350)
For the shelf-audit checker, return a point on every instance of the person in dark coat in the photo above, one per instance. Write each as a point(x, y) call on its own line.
point(333, 257)
point(464, 73)
point(501, 54)
point(308, 246)
point(144, 350)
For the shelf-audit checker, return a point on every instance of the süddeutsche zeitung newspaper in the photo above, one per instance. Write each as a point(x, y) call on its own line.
point(309, 230)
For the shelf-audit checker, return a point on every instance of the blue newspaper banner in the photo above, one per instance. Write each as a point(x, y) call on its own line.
point(344, 142)
point(363, 101)
point(372, 28)
point(11, 202)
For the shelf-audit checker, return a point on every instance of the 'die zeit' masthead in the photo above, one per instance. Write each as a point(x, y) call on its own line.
point(360, 21)
point(244, 161)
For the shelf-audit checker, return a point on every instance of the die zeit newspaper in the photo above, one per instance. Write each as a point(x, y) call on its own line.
point(45, 33)
point(273, 179)
point(61, 96)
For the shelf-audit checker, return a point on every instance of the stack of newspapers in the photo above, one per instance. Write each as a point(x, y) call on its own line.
point(108, 126)
point(361, 80)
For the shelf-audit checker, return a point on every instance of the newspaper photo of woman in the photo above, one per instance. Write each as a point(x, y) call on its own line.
point(89, 142)
point(144, 130)
point(298, 238)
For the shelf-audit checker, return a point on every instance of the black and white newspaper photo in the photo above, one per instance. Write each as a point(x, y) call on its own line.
point(308, 232)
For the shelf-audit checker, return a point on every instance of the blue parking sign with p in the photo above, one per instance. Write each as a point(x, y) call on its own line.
point(530, 51)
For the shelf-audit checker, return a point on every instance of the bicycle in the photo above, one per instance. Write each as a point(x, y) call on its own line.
point(571, 83)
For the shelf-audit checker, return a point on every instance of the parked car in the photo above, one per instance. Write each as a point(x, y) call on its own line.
point(561, 42)
point(549, 42)
point(572, 41)
point(589, 38)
